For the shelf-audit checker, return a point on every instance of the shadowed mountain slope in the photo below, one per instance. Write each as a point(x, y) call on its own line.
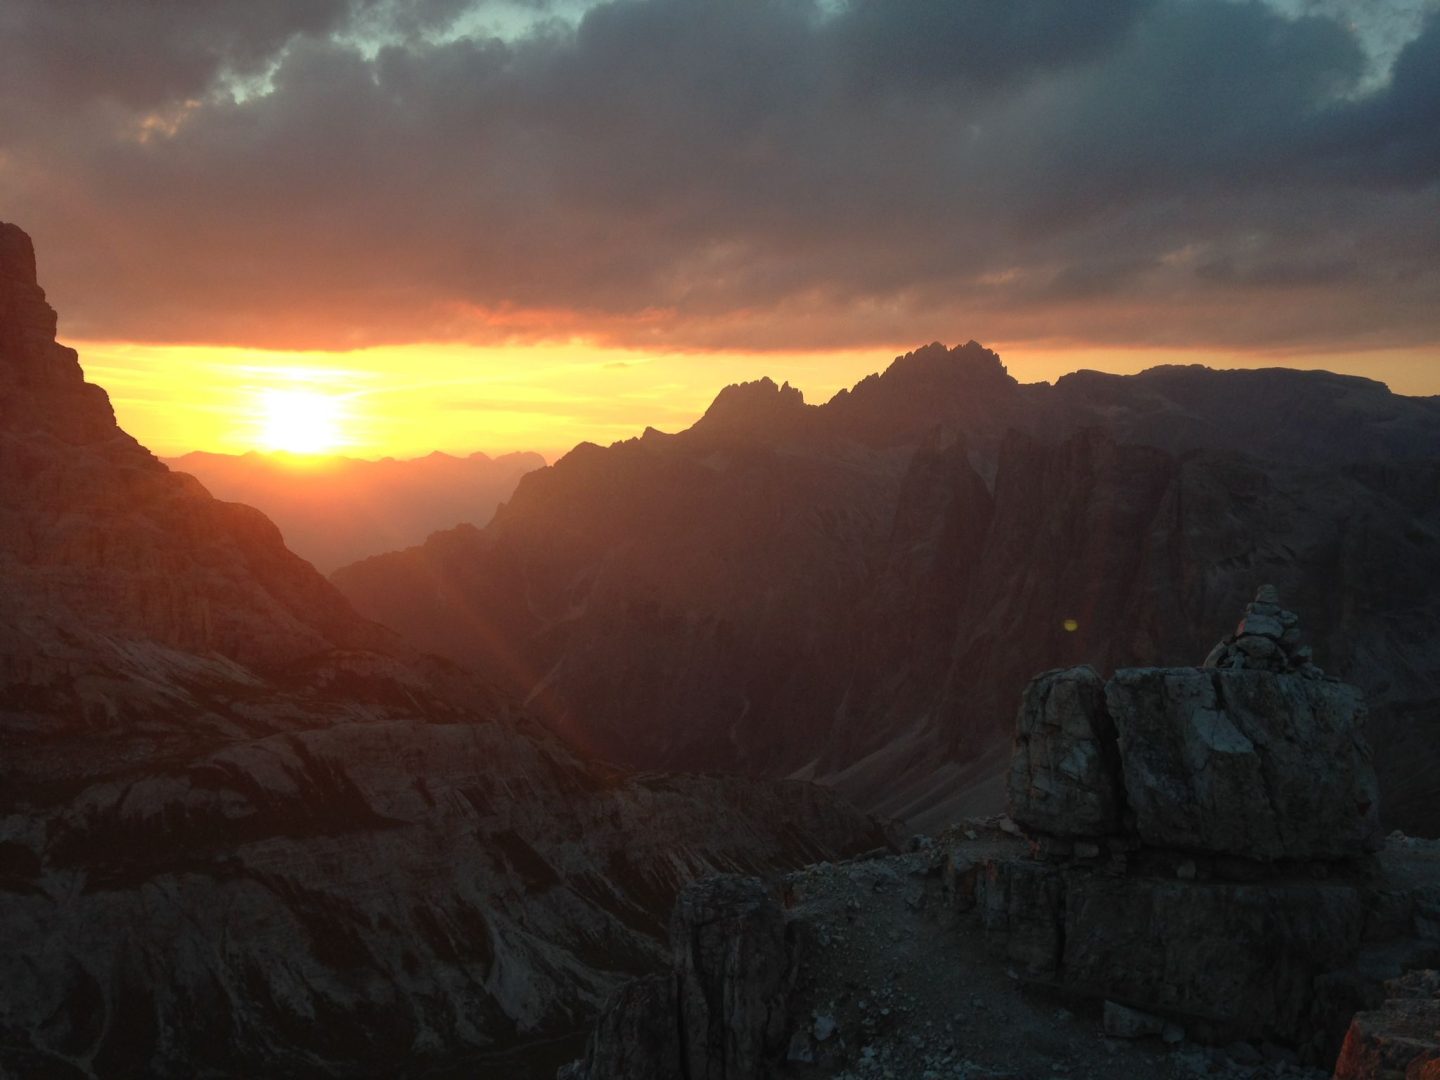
point(245, 831)
point(858, 591)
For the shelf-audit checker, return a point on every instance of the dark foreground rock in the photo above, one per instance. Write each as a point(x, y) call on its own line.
point(722, 1011)
point(1250, 760)
point(1401, 1039)
point(1200, 867)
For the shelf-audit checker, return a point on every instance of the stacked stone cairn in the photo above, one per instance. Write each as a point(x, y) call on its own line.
point(1266, 639)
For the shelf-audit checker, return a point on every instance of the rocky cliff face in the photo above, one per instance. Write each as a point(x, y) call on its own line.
point(244, 831)
point(859, 591)
point(99, 536)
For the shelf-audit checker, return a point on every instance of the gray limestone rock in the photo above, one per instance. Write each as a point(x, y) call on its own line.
point(1064, 773)
point(1023, 902)
point(1238, 958)
point(635, 1037)
point(1123, 1022)
point(1245, 763)
point(720, 1014)
point(727, 940)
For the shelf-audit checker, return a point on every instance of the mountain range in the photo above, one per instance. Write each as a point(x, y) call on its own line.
point(333, 510)
point(858, 591)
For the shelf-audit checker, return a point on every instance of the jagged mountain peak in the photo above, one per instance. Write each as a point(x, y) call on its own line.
point(43, 388)
point(971, 362)
point(755, 406)
point(929, 386)
point(27, 321)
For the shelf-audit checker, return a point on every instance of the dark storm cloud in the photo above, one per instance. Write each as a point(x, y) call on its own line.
point(702, 174)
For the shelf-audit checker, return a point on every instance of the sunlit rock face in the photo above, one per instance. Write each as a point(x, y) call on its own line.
point(860, 590)
point(245, 831)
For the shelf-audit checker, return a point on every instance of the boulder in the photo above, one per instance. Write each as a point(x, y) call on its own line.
point(1237, 959)
point(1123, 1022)
point(1246, 763)
point(1064, 773)
point(1400, 1040)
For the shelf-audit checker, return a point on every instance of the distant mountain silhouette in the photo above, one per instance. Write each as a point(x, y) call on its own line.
point(245, 831)
point(335, 510)
point(858, 591)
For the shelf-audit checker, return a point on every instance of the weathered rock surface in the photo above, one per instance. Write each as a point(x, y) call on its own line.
point(1227, 890)
point(727, 939)
point(1245, 761)
point(1229, 960)
point(1064, 773)
point(900, 966)
point(721, 1014)
point(859, 591)
point(244, 831)
point(1400, 1040)
point(636, 1036)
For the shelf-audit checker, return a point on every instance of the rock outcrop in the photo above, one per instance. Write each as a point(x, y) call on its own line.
point(1201, 837)
point(1198, 868)
point(1401, 1039)
point(245, 831)
point(721, 1014)
point(1246, 760)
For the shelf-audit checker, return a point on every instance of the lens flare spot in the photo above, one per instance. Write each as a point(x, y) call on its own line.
point(1070, 625)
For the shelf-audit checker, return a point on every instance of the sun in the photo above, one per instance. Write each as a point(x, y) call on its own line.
point(300, 421)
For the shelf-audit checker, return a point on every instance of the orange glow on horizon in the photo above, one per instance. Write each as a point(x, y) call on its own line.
point(408, 400)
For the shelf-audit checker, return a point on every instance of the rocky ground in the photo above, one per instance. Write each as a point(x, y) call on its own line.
point(902, 988)
point(896, 982)
point(1191, 882)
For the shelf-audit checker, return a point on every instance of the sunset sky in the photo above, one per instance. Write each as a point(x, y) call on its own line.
point(446, 224)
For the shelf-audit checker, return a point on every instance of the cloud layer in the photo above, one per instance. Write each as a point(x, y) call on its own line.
point(788, 174)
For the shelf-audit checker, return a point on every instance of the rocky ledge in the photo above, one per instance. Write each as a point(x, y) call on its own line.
point(1191, 883)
